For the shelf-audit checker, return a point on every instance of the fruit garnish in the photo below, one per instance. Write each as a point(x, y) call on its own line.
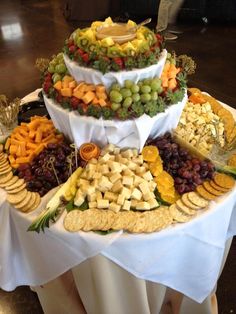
point(150, 153)
point(88, 151)
point(55, 206)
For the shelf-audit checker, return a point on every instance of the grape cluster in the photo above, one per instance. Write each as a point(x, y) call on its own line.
point(188, 171)
point(139, 98)
point(40, 176)
point(57, 67)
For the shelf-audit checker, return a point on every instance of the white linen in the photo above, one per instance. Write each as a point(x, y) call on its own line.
point(129, 133)
point(96, 77)
point(172, 257)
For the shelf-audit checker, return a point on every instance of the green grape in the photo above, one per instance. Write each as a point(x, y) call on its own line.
point(147, 81)
point(115, 86)
point(53, 62)
point(51, 68)
point(59, 55)
point(60, 68)
point(140, 84)
point(115, 96)
point(127, 102)
point(155, 84)
point(136, 97)
point(115, 106)
point(135, 89)
point(125, 92)
point(145, 98)
point(160, 90)
point(128, 84)
point(145, 89)
point(154, 95)
point(56, 77)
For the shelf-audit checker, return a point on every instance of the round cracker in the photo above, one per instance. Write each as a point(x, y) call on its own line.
point(17, 184)
point(4, 165)
point(140, 223)
point(36, 203)
point(224, 180)
point(211, 190)
point(185, 209)
point(5, 171)
point(5, 178)
point(203, 193)
point(197, 199)
point(31, 202)
point(1, 148)
point(18, 189)
point(74, 220)
point(188, 203)
point(110, 219)
point(10, 182)
point(25, 201)
point(217, 187)
point(16, 198)
point(92, 219)
point(178, 215)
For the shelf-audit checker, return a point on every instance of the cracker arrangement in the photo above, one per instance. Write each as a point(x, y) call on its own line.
point(17, 194)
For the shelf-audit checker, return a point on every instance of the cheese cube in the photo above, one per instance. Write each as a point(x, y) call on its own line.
point(112, 158)
point(89, 174)
point(117, 186)
point(128, 172)
point(140, 170)
point(126, 192)
point(95, 183)
point(92, 204)
point(102, 203)
point(147, 176)
point(98, 195)
point(144, 187)
point(118, 158)
point(91, 167)
point(137, 180)
point(115, 177)
point(116, 150)
point(133, 203)
point(126, 205)
point(128, 153)
point(92, 197)
point(110, 196)
point(104, 158)
point(114, 207)
point(109, 148)
point(147, 196)
point(90, 190)
point(104, 182)
point(143, 206)
point(97, 175)
point(93, 161)
point(135, 152)
point(132, 165)
point(153, 203)
point(138, 160)
point(127, 180)
point(79, 198)
point(136, 194)
point(115, 166)
point(104, 169)
point(120, 199)
point(152, 185)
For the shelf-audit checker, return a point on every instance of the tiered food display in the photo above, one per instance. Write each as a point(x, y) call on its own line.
point(173, 178)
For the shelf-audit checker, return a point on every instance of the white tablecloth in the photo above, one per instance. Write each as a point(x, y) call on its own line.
point(172, 257)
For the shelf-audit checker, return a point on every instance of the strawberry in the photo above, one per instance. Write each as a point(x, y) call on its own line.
point(80, 52)
point(72, 48)
point(119, 62)
point(59, 98)
point(74, 103)
point(85, 57)
point(46, 86)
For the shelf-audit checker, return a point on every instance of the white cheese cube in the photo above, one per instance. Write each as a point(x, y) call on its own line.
point(117, 186)
point(143, 206)
point(102, 203)
point(136, 194)
point(143, 186)
point(90, 190)
point(91, 167)
point(147, 176)
point(147, 196)
point(138, 160)
point(126, 192)
point(152, 185)
point(132, 165)
point(116, 150)
point(134, 203)
point(92, 197)
point(114, 207)
point(153, 203)
point(110, 196)
point(140, 170)
point(79, 198)
point(121, 199)
point(95, 183)
point(104, 169)
point(128, 153)
point(115, 166)
point(93, 161)
point(92, 204)
point(127, 180)
point(118, 158)
point(98, 195)
point(128, 172)
point(112, 158)
point(126, 205)
point(90, 174)
point(115, 177)
point(97, 175)
point(109, 148)
point(137, 180)
point(135, 152)
point(82, 176)
point(105, 158)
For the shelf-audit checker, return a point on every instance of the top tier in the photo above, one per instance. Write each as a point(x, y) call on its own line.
point(108, 46)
